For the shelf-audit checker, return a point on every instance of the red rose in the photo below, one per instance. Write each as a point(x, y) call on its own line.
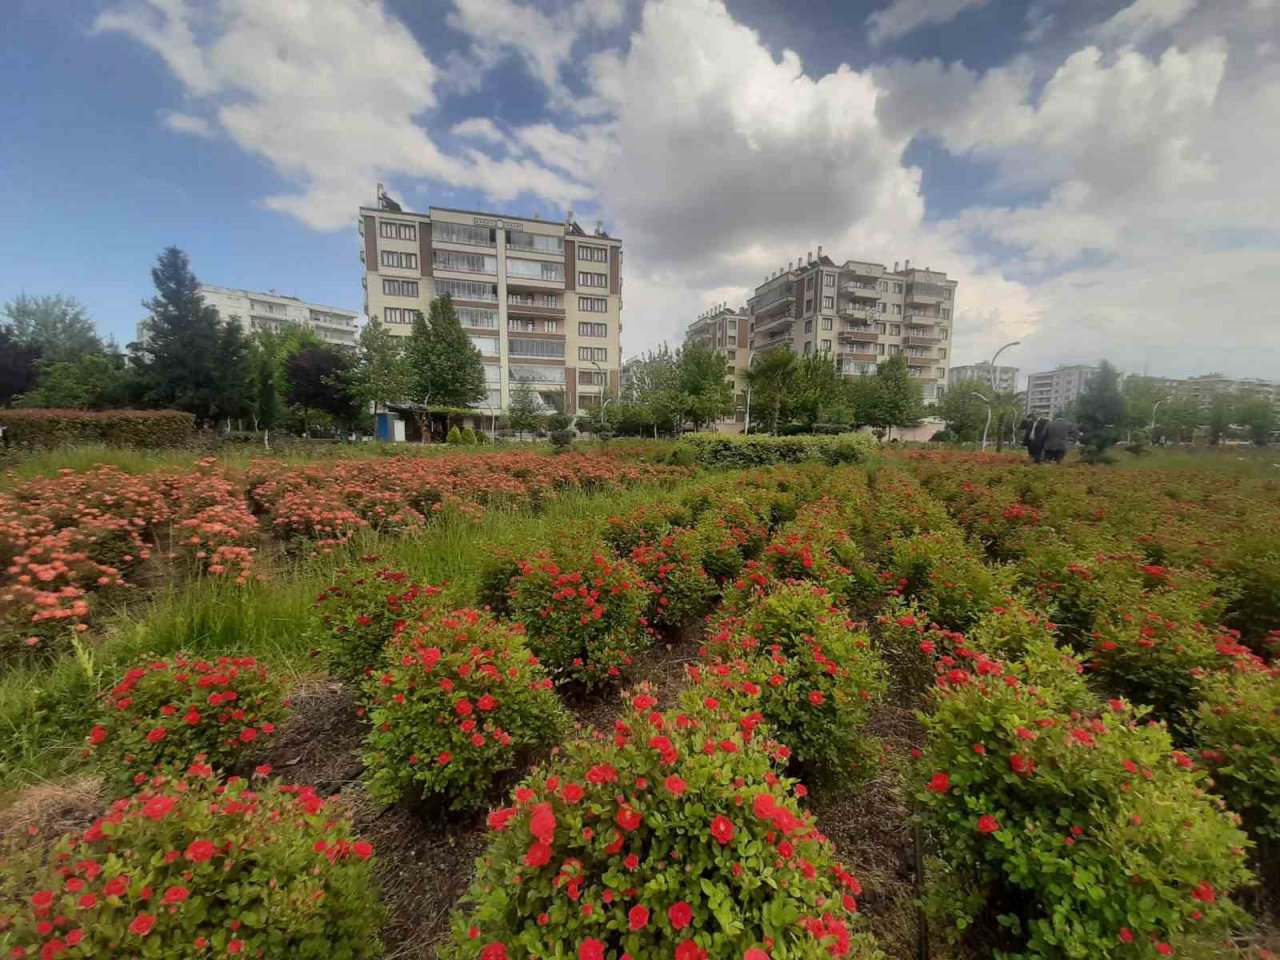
point(675, 785)
point(689, 950)
point(499, 819)
point(988, 824)
point(156, 735)
point(722, 829)
point(157, 808)
point(680, 914)
point(939, 783)
point(571, 793)
point(816, 697)
point(628, 819)
point(542, 822)
point(494, 951)
point(97, 734)
point(591, 949)
point(362, 849)
point(235, 946)
point(538, 854)
point(638, 917)
point(198, 851)
point(1126, 935)
point(175, 895)
point(142, 924)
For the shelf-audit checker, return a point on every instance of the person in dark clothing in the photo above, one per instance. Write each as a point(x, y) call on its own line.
point(1036, 447)
point(1057, 439)
point(1025, 429)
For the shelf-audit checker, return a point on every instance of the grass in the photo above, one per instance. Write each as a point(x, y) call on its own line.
point(45, 710)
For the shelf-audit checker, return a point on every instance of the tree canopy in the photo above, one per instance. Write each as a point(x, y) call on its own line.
point(444, 366)
point(57, 326)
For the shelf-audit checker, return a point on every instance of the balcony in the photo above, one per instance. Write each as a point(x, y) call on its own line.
point(860, 291)
point(919, 340)
point(786, 300)
point(861, 313)
point(772, 322)
point(858, 356)
point(920, 360)
point(926, 293)
point(860, 335)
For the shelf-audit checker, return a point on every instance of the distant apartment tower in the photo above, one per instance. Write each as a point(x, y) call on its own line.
point(727, 331)
point(1205, 387)
point(271, 311)
point(542, 301)
point(1049, 393)
point(860, 312)
point(1005, 378)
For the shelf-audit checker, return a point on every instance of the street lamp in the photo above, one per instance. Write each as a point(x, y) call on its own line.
point(995, 356)
point(1153, 417)
point(986, 426)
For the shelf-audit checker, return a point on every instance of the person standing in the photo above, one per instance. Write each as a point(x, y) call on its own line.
point(1036, 447)
point(1057, 439)
point(1025, 429)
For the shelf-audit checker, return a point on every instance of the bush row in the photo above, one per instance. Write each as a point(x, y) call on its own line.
point(720, 450)
point(32, 429)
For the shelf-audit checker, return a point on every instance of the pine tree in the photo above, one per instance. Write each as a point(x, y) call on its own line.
point(1100, 410)
point(896, 398)
point(189, 359)
point(444, 366)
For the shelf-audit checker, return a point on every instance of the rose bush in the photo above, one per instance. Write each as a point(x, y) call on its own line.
point(195, 868)
point(1237, 732)
point(166, 713)
point(671, 835)
point(672, 565)
point(458, 702)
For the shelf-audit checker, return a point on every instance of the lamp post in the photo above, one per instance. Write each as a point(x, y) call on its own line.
point(995, 356)
point(987, 425)
point(1153, 417)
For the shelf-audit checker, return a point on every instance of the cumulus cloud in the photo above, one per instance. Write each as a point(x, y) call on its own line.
point(294, 83)
point(903, 16)
point(186, 123)
point(478, 128)
point(1142, 18)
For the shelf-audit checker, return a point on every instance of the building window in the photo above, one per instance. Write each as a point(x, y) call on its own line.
point(486, 345)
point(880, 349)
point(547, 349)
point(828, 279)
point(808, 347)
point(808, 282)
point(942, 355)
point(808, 326)
point(399, 288)
point(594, 354)
point(477, 317)
point(895, 329)
point(828, 303)
point(394, 258)
point(828, 323)
point(593, 330)
point(880, 328)
point(594, 254)
point(593, 304)
point(465, 262)
point(395, 230)
point(535, 269)
point(537, 242)
point(462, 233)
point(808, 305)
point(397, 315)
point(897, 309)
point(883, 286)
point(826, 346)
point(733, 354)
point(586, 279)
point(534, 373)
point(946, 313)
point(897, 288)
point(884, 307)
point(467, 290)
point(535, 300)
point(593, 378)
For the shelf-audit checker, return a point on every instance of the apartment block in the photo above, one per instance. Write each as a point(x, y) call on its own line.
point(271, 311)
point(542, 301)
point(1004, 379)
point(861, 313)
point(1049, 393)
point(727, 331)
point(1204, 388)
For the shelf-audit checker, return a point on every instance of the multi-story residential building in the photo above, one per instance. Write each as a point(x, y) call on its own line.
point(727, 331)
point(542, 301)
point(1049, 393)
point(1204, 388)
point(861, 313)
point(1004, 379)
point(271, 311)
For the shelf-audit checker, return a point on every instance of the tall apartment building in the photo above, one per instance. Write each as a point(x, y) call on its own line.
point(1204, 388)
point(1005, 379)
point(542, 301)
point(271, 311)
point(1049, 393)
point(862, 313)
point(727, 331)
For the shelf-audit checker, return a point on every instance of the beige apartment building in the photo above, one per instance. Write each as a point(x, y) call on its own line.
point(1003, 379)
point(271, 311)
point(860, 312)
point(728, 332)
point(1050, 392)
point(542, 301)
point(1205, 387)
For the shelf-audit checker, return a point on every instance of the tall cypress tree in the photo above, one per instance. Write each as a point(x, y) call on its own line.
point(445, 366)
point(189, 359)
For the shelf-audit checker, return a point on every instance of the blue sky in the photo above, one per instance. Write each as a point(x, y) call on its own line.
point(1092, 171)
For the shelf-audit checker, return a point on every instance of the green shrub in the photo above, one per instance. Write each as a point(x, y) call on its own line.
point(190, 868)
point(1237, 727)
point(942, 573)
point(585, 624)
point(809, 672)
point(673, 836)
point(454, 436)
point(1008, 630)
point(458, 703)
point(44, 428)
point(359, 616)
point(722, 450)
point(1064, 833)
point(1254, 575)
point(682, 590)
point(468, 437)
point(164, 714)
point(910, 646)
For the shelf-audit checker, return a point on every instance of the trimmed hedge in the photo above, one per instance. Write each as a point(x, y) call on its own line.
point(39, 428)
point(756, 450)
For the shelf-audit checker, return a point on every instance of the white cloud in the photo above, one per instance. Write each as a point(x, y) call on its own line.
point(295, 84)
point(903, 16)
point(186, 123)
point(479, 128)
point(1142, 18)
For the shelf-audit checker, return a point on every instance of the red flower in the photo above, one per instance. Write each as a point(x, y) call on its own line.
point(628, 819)
point(722, 829)
point(1022, 765)
point(680, 914)
point(755, 953)
point(1126, 935)
point(494, 951)
point(542, 822)
point(116, 886)
point(362, 849)
point(988, 824)
point(156, 735)
point(97, 734)
point(816, 697)
point(538, 854)
point(142, 924)
point(638, 917)
point(689, 950)
point(675, 785)
point(939, 783)
point(1163, 948)
point(198, 851)
point(235, 946)
point(1203, 891)
point(444, 758)
point(591, 950)
point(175, 895)
point(157, 808)
point(571, 793)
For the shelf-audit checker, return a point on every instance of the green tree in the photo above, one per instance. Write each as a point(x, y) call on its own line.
point(770, 377)
point(706, 395)
point(818, 392)
point(19, 366)
point(1101, 412)
point(523, 412)
point(896, 398)
point(318, 381)
point(445, 369)
point(265, 406)
point(1141, 394)
point(966, 414)
point(1219, 420)
point(188, 358)
point(381, 373)
point(1177, 419)
point(653, 402)
point(1258, 416)
point(93, 382)
point(57, 325)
